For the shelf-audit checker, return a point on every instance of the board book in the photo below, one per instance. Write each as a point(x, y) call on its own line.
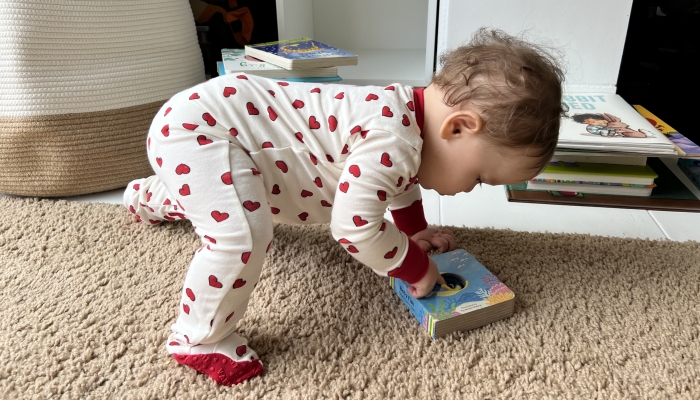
point(330, 79)
point(622, 189)
point(605, 122)
point(473, 296)
point(594, 172)
point(685, 146)
point(236, 61)
point(301, 53)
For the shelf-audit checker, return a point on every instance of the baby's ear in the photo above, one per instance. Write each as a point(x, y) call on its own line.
point(460, 123)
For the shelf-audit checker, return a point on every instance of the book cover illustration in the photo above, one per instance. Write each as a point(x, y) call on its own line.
point(606, 121)
point(683, 143)
point(470, 287)
point(302, 49)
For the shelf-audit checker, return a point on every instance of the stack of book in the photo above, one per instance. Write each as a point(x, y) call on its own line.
point(302, 59)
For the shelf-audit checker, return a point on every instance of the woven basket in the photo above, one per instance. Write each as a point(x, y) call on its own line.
point(80, 82)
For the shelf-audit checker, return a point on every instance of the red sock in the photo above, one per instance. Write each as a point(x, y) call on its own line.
point(220, 368)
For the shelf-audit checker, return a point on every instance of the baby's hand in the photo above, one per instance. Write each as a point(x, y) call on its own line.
point(431, 238)
point(425, 286)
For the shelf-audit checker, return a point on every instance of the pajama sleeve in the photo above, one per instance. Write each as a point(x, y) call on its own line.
point(376, 172)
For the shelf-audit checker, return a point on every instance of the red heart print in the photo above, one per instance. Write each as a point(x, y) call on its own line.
point(391, 254)
point(344, 241)
point(386, 160)
point(364, 133)
point(176, 214)
point(389, 88)
point(167, 111)
point(169, 218)
point(318, 182)
point(283, 83)
point(271, 92)
point(219, 216)
point(305, 193)
point(332, 123)
point(266, 251)
point(313, 159)
point(226, 178)
point(381, 229)
point(190, 127)
point(229, 91)
point(326, 204)
point(233, 132)
point(209, 238)
point(251, 108)
point(251, 206)
point(210, 120)
point(313, 123)
point(298, 104)
point(405, 121)
point(183, 208)
point(303, 216)
point(407, 186)
point(194, 96)
point(240, 350)
point(275, 210)
point(245, 256)
point(400, 181)
point(371, 97)
point(282, 166)
point(154, 221)
point(276, 189)
point(132, 209)
point(345, 150)
point(167, 202)
point(159, 161)
point(353, 249)
point(344, 187)
point(329, 158)
point(267, 145)
point(272, 113)
point(386, 112)
point(381, 194)
point(255, 171)
point(359, 221)
point(185, 190)
point(229, 316)
point(242, 77)
point(356, 129)
point(340, 95)
point(239, 283)
point(186, 309)
point(410, 106)
point(173, 344)
point(202, 140)
point(315, 90)
point(149, 143)
point(299, 136)
point(354, 170)
point(190, 293)
point(182, 169)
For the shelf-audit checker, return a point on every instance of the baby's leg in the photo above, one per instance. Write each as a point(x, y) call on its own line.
point(150, 202)
point(216, 186)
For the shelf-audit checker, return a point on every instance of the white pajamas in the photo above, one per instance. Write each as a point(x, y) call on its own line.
point(238, 152)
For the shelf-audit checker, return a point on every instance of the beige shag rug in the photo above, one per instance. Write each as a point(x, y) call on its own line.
point(88, 295)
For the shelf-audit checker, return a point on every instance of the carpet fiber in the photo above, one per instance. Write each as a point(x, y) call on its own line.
point(87, 297)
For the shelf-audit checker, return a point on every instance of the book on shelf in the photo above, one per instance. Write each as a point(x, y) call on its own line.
point(472, 297)
point(235, 61)
point(604, 122)
point(329, 79)
point(595, 172)
point(670, 194)
point(601, 158)
point(691, 169)
point(301, 53)
point(685, 146)
point(622, 189)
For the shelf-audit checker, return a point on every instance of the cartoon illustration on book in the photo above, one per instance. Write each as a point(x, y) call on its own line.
point(608, 125)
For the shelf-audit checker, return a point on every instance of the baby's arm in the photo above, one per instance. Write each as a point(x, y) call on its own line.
point(368, 184)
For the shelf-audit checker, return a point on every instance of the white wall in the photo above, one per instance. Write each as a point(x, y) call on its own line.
point(591, 33)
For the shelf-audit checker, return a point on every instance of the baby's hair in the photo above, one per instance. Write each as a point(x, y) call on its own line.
point(516, 85)
point(581, 118)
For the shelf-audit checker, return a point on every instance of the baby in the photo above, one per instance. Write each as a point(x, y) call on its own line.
point(239, 152)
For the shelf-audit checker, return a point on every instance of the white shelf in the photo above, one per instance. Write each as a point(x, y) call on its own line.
point(383, 67)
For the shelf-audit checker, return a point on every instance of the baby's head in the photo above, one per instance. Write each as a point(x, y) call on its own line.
point(590, 119)
point(496, 104)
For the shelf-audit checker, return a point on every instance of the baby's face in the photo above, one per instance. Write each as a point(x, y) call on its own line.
point(479, 162)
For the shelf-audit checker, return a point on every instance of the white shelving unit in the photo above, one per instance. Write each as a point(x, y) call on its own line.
point(394, 39)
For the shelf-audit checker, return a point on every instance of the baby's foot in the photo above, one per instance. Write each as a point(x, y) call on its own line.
point(228, 362)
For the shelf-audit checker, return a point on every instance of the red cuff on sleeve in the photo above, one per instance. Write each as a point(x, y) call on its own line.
point(414, 266)
point(411, 219)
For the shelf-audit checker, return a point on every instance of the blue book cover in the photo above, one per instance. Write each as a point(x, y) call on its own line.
point(473, 296)
point(301, 49)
